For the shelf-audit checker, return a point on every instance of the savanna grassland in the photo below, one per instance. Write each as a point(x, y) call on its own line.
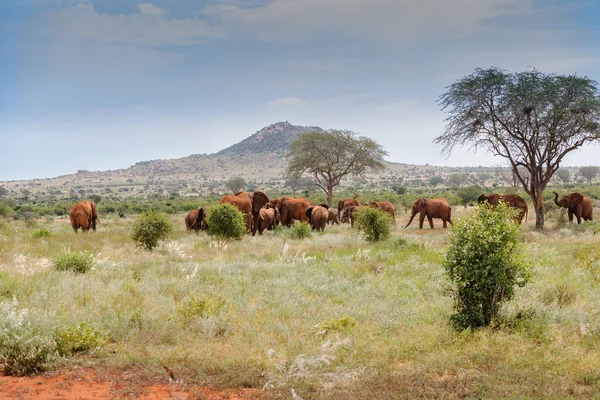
point(330, 316)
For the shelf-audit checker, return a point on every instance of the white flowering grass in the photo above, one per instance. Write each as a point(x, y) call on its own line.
point(276, 291)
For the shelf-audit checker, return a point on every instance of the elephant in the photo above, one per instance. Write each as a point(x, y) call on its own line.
point(318, 216)
point(196, 220)
point(385, 206)
point(267, 218)
point(83, 215)
point(349, 214)
point(333, 216)
point(342, 204)
point(293, 209)
point(512, 200)
point(249, 203)
point(576, 203)
point(431, 208)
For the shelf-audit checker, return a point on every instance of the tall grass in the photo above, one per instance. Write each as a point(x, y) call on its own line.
point(330, 316)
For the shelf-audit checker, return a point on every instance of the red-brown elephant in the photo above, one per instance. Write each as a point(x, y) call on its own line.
point(576, 204)
point(249, 203)
point(333, 216)
point(291, 209)
point(318, 216)
point(196, 220)
point(386, 206)
point(83, 215)
point(267, 218)
point(349, 214)
point(431, 208)
point(343, 204)
point(512, 200)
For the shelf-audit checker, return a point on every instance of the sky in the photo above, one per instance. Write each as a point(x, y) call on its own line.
point(103, 84)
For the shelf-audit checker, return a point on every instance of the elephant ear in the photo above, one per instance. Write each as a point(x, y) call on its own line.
point(308, 212)
point(576, 199)
point(201, 214)
point(340, 205)
point(259, 199)
point(325, 206)
point(481, 198)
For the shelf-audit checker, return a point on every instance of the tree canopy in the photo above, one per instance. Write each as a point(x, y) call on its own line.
point(530, 118)
point(330, 156)
point(589, 173)
point(236, 184)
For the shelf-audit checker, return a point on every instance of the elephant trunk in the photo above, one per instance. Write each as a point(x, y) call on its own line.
point(556, 199)
point(411, 219)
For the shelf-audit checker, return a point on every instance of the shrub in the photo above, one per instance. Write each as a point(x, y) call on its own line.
point(22, 350)
point(484, 262)
point(207, 315)
point(149, 228)
point(5, 210)
point(300, 230)
point(374, 223)
point(225, 221)
point(40, 233)
point(342, 324)
point(77, 338)
point(76, 261)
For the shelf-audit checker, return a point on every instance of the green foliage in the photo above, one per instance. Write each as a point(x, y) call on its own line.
point(484, 263)
point(236, 184)
point(72, 339)
point(469, 194)
point(5, 210)
point(75, 261)
point(23, 350)
point(225, 221)
point(341, 324)
point(530, 322)
point(200, 307)
point(300, 230)
point(40, 233)
point(150, 228)
point(374, 223)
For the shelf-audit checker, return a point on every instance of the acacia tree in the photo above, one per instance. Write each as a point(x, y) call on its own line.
point(330, 156)
point(589, 173)
point(236, 184)
point(530, 118)
point(564, 175)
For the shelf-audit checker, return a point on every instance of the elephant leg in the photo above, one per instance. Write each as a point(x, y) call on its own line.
point(570, 216)
point(444, 222)
point(421, 220)
point(430, 219)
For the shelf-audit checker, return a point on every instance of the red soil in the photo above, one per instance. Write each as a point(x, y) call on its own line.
point(84, 384)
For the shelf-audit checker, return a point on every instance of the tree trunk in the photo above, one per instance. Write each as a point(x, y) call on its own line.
point(329, 196)
point(538, 205)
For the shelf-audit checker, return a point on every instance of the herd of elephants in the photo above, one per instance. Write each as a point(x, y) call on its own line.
point(264, 214)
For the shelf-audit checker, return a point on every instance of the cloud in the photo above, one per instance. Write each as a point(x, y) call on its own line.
point(150, 9)
point(288, 102)
point(390, 22)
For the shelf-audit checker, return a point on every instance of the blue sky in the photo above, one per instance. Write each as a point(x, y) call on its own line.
point(103, 84)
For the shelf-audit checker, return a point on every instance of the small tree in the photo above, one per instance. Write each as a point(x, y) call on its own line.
point(3, 191)
point(589, 173)
point(225, 221)
point(457, 179)
point(484, 263)
point(531, 119)
point(331, 156)
point(469, 194)
point(236, 184)
point(301, 183)
point(149, 228)
point(564, 175)
point(374, 223)
point(436, 180)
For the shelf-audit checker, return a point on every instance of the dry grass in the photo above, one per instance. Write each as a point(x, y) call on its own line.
point(278, 291)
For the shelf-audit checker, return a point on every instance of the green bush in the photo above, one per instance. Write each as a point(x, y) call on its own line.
point(374, 223)
point(342, 324)
point(484, 262)
point(72, 339)
point(40, 233)
point(5, 210)
point(300, 230)
point(76, 261)
point(226, 222)
point(149, 228)
point(23, 350)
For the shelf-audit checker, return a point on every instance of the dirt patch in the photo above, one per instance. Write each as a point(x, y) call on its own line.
point(84, 384)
